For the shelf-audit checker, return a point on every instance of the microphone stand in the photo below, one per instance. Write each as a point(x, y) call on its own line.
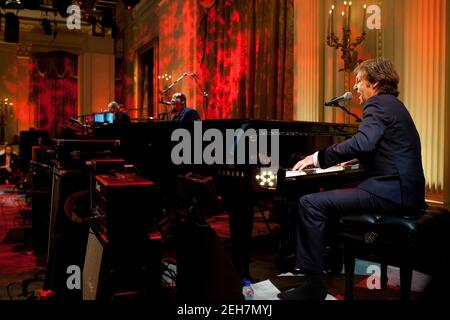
point(166, 113)
point(195, 77)
point(336, 104)
point(205, 94)
point(174, 83)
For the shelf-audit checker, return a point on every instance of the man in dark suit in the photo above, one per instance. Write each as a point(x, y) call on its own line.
point(8, 165)
point(119, 116)
point(387, 144)
point(180, 112)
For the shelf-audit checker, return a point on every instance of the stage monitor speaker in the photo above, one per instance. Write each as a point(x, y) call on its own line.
point(204, 268)
point(132, 259)
point(67, 234)
point(11, 28)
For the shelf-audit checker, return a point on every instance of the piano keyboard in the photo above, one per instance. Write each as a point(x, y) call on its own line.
point(293, 174)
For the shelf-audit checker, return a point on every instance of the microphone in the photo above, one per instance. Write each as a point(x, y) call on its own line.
point(345, 97)
point(167, 103)
point(75, 121)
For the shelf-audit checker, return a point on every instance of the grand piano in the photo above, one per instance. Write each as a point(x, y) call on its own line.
point(149, 146)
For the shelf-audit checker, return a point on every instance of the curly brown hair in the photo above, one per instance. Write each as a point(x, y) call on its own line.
point(380, 70)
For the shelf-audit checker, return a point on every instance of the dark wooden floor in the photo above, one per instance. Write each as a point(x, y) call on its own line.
point(435, 198)
point(17, 262)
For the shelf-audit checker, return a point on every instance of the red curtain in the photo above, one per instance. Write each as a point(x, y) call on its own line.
point(54, 89)
point(246, 54)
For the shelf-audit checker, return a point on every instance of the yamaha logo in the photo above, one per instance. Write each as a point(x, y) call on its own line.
point(370, 237)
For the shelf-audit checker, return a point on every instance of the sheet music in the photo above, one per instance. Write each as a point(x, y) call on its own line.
point(292, 174)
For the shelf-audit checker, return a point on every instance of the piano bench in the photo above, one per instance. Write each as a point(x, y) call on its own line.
point(409, 242)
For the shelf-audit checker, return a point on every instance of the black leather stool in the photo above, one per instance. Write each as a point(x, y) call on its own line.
point(409, 242)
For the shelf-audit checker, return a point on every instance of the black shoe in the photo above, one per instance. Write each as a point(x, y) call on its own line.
point(314, 288)
point(303, 273)
point(298, 272)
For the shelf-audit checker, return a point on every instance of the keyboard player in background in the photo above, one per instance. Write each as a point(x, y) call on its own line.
point(119, 116)
point(387, 144)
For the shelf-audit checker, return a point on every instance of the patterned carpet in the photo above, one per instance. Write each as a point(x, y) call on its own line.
point(16, 259)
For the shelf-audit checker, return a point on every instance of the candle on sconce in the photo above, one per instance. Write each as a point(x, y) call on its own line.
point(364, 18)
point(349, 14)
point(345, 9)
point(332, 19)
point(345, 44)
point(329, 23)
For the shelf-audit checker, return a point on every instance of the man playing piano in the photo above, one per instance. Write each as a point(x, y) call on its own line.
point(387, 144)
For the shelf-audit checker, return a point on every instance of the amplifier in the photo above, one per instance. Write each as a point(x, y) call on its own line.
point(132, 259)
point(75, 153)
point(126, 202)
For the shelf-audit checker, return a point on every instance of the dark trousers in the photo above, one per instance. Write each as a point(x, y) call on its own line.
point(240, 212)
point(317, 211)
point(5, 175)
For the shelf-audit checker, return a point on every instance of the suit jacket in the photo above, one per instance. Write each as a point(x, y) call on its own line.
point(14, 162)
point(186, 115)
point(121, 117)
point(387, 144)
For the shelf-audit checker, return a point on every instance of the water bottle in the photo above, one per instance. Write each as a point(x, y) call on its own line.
point(247, 290)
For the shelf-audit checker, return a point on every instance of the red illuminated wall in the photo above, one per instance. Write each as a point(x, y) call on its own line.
point(223, 52)
point(14, 81)
point(242, 52)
